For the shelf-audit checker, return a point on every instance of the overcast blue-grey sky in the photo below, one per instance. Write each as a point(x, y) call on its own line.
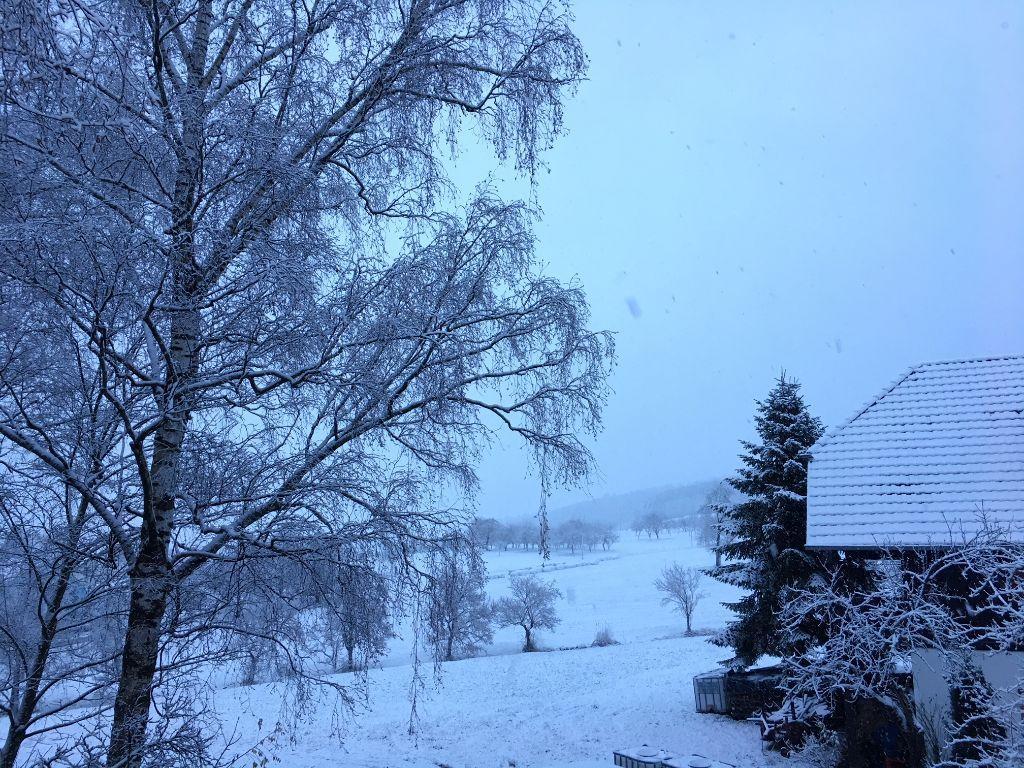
point(833, 188)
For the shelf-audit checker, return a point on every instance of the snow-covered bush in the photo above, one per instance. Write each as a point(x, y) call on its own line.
point(977, 733)
point(856, 672)
point(604, 638)
point(967, 597)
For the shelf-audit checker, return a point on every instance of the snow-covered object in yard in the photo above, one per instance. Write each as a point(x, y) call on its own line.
point(709, 692)
point(649, 757)
point(640, 757)
point(695, 761)
point(925, 462)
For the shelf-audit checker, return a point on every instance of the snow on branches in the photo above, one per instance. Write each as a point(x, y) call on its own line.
point(955, 603)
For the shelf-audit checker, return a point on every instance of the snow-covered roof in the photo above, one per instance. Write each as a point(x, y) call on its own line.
point(941, 449)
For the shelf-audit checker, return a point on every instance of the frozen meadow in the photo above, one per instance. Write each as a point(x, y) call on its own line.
point(510, 709)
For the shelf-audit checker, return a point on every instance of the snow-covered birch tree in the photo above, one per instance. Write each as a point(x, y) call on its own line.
point(61, 573)
point(274, 349)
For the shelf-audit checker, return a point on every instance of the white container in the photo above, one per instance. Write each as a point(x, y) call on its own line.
point(694, 761)
point(641, 757)
point(709, 692)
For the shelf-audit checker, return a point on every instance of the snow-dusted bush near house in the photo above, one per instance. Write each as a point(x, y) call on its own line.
point(863, 662)
point(821, 751)
point(970, 596)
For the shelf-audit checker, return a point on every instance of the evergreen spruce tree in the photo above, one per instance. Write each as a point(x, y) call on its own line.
point(764, 552)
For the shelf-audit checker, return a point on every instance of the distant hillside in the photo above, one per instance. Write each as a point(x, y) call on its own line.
point(623, 508)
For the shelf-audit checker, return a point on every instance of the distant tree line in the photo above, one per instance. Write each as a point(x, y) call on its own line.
point(705, 524)
point(572, 535)
point(654, 524)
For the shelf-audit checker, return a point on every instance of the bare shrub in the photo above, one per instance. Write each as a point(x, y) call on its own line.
point(604, 638)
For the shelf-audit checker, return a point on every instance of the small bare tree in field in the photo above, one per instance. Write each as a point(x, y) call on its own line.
point(358, 623)
point(651, 523)
point(530, 606)
point(682, 590)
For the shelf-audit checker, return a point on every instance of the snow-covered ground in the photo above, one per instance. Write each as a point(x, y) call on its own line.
point(566, 708)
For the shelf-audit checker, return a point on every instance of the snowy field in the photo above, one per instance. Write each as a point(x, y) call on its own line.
point(513, 710)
